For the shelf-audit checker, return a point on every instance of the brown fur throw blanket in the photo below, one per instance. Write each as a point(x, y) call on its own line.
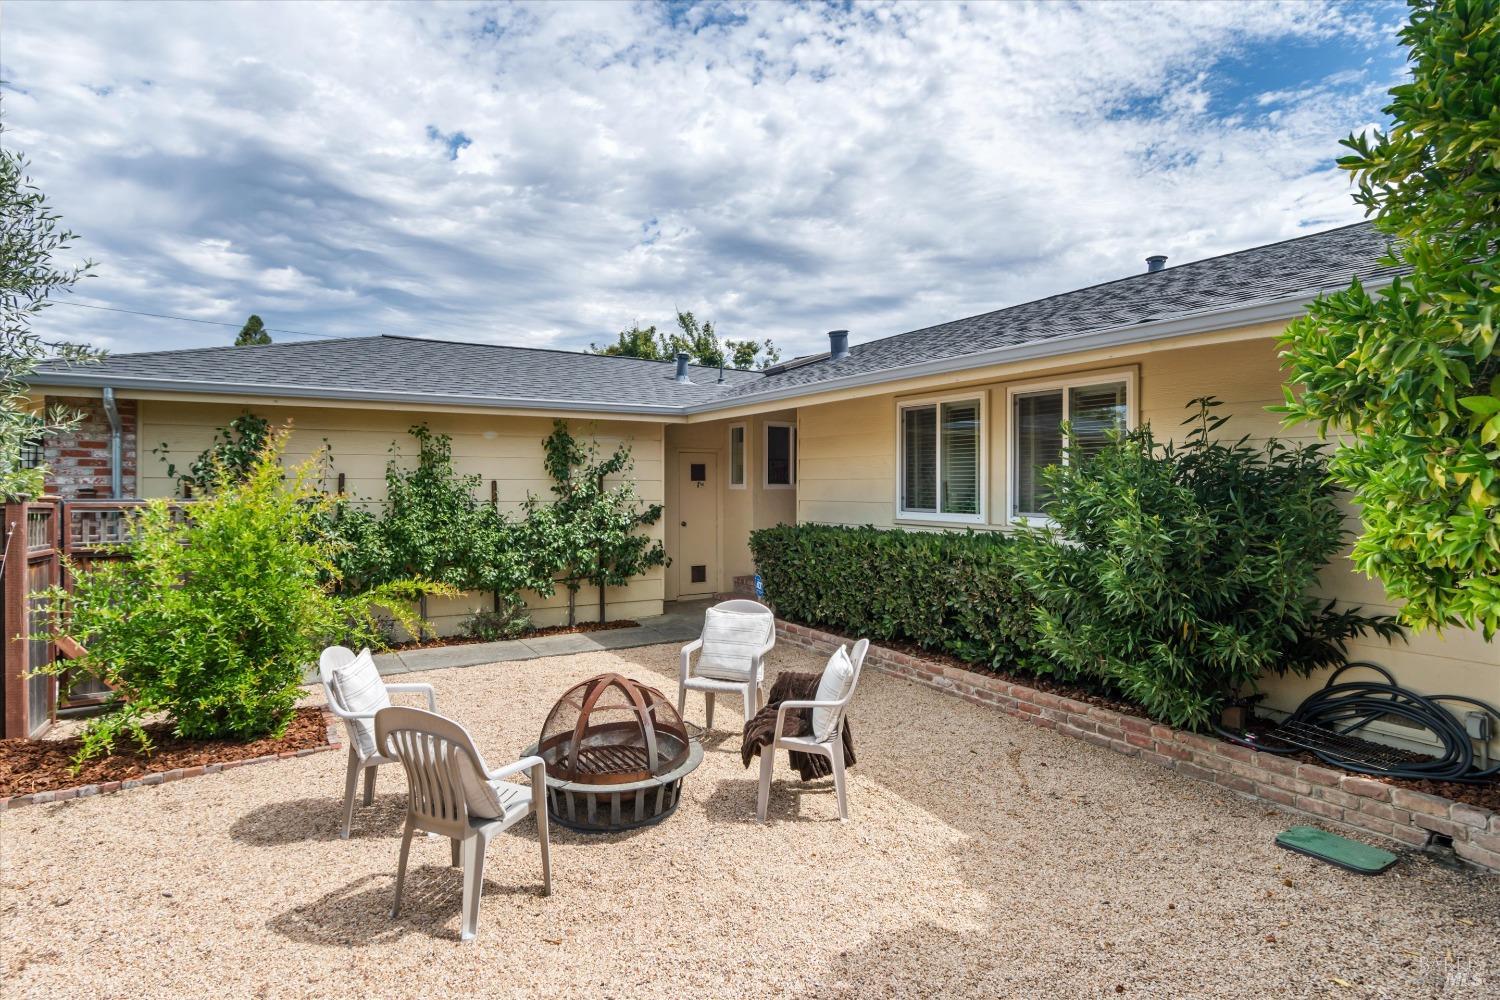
point(792, 686)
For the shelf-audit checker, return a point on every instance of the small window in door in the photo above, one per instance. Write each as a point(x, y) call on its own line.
point(698, 473)
point(699, 574)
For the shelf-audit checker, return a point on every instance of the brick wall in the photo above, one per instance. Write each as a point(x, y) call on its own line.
point(1365, 806)
point(78, 461)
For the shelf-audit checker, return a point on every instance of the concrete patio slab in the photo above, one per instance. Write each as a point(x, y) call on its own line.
point(682, 622)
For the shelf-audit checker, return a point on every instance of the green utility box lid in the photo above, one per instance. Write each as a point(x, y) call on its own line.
point(1336, 850)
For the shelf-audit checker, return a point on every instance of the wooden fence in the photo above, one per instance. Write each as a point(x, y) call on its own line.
point(45, 540)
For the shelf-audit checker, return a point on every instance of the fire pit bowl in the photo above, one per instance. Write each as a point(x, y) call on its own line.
point(616, 753)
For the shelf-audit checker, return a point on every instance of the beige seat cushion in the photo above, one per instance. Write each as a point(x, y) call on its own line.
point(730, 641)
point(837, 677)
point(362, 692)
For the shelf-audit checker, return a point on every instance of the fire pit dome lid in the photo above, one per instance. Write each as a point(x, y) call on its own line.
point(611, 729)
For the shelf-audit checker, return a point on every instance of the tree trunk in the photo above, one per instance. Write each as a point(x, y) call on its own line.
point(572, 601)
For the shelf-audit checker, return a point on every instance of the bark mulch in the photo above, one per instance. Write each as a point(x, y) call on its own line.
point(531, 633)
point(28, 766)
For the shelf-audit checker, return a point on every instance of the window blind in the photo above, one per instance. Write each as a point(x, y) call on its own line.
point(960, 457)
point(1038, 436)
point(919, 451)
point(1093, 412)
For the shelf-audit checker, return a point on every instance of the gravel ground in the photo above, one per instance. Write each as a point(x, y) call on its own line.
point(984, 858)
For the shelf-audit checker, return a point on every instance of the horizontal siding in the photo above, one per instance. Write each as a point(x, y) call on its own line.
point(507, 450)
point(848, 454)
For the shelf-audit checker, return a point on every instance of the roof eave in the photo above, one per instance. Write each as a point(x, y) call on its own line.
point(1210, 320)
point(93, 380)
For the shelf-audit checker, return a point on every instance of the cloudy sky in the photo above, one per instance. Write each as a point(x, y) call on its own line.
point(548, 175)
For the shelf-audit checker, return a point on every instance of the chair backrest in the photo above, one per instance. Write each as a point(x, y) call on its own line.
point(331, 659)
point(741, 606)
point(436, 754)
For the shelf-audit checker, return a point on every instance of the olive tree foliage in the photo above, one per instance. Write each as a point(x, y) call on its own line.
point(31, 237)
point(1408, 378)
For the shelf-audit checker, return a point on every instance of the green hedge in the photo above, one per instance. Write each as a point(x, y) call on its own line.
point(945, 591)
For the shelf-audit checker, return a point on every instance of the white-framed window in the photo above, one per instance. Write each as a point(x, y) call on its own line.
point(737, 470)
point(941, 469)
point(781, 456)
point(1094, 405)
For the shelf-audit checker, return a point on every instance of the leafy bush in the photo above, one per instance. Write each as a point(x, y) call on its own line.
point(1410, 377)
point(216, 614)
point(509, 621)
point(1181, 574)
point(945, 591)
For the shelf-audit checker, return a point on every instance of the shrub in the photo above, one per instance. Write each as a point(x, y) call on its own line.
point(509, 621)
point(215, 615)
point(945, 591)
point(1180, 575)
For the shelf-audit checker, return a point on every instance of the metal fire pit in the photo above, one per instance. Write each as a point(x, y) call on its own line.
point(616, 753)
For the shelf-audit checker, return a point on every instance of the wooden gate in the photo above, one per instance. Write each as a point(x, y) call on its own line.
point(38, 534)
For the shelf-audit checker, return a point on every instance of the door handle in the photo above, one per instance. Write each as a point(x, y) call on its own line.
point(684, 524)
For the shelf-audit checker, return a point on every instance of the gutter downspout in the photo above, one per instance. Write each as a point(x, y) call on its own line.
point(116, 474)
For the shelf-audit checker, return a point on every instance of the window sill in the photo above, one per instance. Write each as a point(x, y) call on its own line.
point(923, 517)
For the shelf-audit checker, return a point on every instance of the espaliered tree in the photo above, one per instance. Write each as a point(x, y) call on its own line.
point(1409, 378)
point(435, 528)
point(591, 532)
point(231, 456)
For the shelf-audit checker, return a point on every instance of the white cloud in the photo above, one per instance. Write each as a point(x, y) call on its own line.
point(782, 169)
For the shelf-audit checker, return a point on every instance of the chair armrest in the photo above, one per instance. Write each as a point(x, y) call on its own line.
point(531, 763)
point(333, 707)
point(758, 658)
point(781, 710)
point(687, 658)
point(416, 688)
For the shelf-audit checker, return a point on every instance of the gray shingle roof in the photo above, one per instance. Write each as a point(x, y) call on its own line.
point(414, 369)
point(1304, 264)
point(400, 367)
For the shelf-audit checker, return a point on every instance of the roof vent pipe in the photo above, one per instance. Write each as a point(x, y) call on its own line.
point(838, 344)
point(682, 374)
point(116, 474)
point(1156, 262)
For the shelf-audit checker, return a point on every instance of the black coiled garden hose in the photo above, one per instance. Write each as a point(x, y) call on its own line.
point(1348, 707)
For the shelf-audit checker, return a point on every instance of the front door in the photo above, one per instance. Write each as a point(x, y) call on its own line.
point(696, 563)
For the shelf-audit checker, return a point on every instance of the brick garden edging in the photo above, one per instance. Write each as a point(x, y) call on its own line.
point(162, 777)
point(1365, 805)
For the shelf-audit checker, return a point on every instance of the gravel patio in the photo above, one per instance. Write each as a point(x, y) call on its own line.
point(984, 858)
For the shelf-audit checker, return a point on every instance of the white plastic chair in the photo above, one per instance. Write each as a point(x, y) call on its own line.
point(359, 761)
point(452, 794)
point(830, 746)
point(748, 688)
